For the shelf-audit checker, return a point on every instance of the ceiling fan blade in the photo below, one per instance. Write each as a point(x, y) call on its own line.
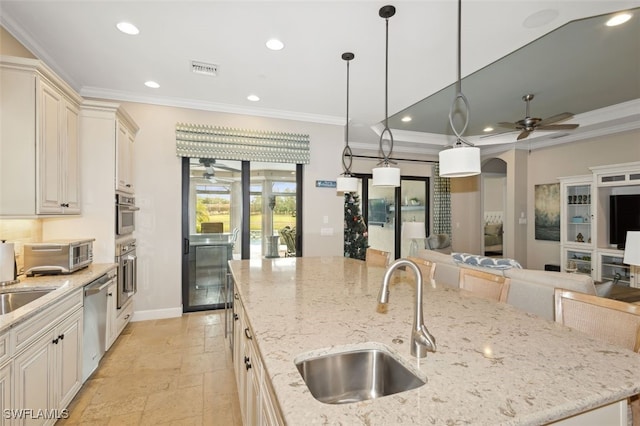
point(558, 127)
point(508, 125)
point(523, 135)
point(491, 135)
point(555, 118)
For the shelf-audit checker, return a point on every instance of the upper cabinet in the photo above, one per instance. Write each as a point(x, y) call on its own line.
point(125, 136)
point(39, 142)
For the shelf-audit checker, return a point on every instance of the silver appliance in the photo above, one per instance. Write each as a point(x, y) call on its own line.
point(125, 213)
point(127, 270)
point(57, 256)
point(95, 322)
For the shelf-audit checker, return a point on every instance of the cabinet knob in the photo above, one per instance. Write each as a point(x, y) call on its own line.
point(235, 317)
point(61, 337)
point(55, 341)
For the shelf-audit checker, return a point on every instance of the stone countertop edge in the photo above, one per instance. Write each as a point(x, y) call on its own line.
point(494, 364)
point(63, 285)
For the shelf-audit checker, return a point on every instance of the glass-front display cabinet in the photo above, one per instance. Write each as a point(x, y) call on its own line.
point(578, 261)
point(576, 212)
point(611, 268)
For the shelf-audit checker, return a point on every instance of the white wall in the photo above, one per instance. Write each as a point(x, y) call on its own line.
point(158, 194)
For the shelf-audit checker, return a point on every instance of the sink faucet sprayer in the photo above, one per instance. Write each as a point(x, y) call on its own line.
point(421, 340)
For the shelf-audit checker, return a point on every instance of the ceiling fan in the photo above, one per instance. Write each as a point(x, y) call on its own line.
point(205, 168)
point(528, 124)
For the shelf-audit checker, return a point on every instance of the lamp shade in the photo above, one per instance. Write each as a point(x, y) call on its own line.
point(632, 248)
point(346, 184)
point(411, 230)
point(386, 176)
point(460, 162)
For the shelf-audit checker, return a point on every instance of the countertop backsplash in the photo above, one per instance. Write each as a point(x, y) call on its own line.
point(20, 231)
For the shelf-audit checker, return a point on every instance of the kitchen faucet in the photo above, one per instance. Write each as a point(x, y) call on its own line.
point(421, 340)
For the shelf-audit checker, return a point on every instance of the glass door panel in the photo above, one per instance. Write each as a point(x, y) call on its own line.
point(413, 196)
point(380, 221)
point(273, 210)
point(214, 214)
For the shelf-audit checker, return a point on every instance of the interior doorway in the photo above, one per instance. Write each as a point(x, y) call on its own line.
point(494, 206)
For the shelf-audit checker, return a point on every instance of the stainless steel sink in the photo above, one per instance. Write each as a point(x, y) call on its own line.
point(13, 300)
point(358, 375)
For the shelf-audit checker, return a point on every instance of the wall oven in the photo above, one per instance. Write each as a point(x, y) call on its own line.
point(127, 270)
point(125, 213)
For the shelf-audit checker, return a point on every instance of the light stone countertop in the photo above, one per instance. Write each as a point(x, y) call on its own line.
point(494, 364)
point(62, 285)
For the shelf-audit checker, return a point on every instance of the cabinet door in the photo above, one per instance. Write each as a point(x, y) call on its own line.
point(5, 393)
point(68, 361)
point(70, 152)
point(124, 159)
point(34, 377)
point(48, 159)
point(112, 315)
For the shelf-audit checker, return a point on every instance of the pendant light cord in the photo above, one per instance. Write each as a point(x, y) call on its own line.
point(386, 12)
point(347, 154)
point(459, 95)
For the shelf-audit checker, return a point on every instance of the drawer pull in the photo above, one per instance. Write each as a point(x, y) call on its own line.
point(246, 333)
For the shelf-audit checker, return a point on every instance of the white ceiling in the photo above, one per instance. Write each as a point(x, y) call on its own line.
point(307, 79)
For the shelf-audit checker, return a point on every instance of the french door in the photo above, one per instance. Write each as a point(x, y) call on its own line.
point(234, 210)
point(386, 209)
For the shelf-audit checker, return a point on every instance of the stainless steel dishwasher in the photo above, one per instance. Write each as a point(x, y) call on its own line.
point(95, 322)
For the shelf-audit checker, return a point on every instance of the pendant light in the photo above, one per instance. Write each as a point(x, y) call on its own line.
point(346, 182)
point(464, 158)
point(385, 175)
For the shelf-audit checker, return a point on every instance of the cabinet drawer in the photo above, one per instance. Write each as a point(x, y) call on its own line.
point(34, 327)
point(124, 316)
point(4, 348)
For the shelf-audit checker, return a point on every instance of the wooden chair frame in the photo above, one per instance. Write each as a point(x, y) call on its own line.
point(427, 268)
point(485, 284)
point(375, 257)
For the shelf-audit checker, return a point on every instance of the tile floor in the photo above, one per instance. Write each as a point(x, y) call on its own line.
point(174, 371)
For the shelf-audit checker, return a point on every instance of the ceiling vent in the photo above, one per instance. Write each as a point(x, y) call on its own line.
point(204, 68)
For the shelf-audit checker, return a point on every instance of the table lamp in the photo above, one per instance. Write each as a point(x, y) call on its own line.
point(413, 231)
point(632, 248)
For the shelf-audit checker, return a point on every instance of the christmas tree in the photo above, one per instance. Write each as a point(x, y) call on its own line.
point(355, 230)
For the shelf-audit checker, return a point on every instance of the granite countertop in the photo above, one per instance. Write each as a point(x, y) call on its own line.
point(62, 285)
point(494, 364)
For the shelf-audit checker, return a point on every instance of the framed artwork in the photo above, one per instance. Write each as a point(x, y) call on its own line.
point(547, 214)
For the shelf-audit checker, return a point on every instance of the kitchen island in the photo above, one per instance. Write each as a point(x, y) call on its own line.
point(494, 364)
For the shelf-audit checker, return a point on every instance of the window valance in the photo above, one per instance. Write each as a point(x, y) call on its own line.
point(202, 141)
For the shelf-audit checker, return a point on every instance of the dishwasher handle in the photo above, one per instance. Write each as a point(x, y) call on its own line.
point(97, 286)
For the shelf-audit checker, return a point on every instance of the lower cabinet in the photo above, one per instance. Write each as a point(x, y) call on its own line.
point(112, 315)
point(46, 367)
point(5, 392)
point(257, 403)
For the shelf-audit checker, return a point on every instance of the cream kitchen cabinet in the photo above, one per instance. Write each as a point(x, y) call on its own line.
point(47, 366)
point(112, 315)
point(39, 140)
point(257, 403)
point(5, 393)
point(126, 133)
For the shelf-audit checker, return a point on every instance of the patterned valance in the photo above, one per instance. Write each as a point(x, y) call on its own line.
point(201, 141)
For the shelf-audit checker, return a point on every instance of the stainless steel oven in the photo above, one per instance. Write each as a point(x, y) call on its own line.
point(125, 213)
point(127, 270)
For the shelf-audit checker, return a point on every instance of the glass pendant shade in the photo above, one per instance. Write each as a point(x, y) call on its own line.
point(346, 184)
point(386, 176)
point(460, 161)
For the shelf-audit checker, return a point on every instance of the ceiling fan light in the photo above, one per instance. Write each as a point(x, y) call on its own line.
point(347, 184)
point(460, 162)
point(386, 176)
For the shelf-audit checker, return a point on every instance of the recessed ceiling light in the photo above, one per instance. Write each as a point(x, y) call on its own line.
point(128, 28)
point(406, 119)
point(253, 98)
point(488, 129)
point(618, 19)
point(151, 84)
point(275, 44)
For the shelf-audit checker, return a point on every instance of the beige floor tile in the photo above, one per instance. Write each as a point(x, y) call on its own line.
point(174, 405)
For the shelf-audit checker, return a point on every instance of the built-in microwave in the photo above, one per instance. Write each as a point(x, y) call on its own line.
point(125, 213)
